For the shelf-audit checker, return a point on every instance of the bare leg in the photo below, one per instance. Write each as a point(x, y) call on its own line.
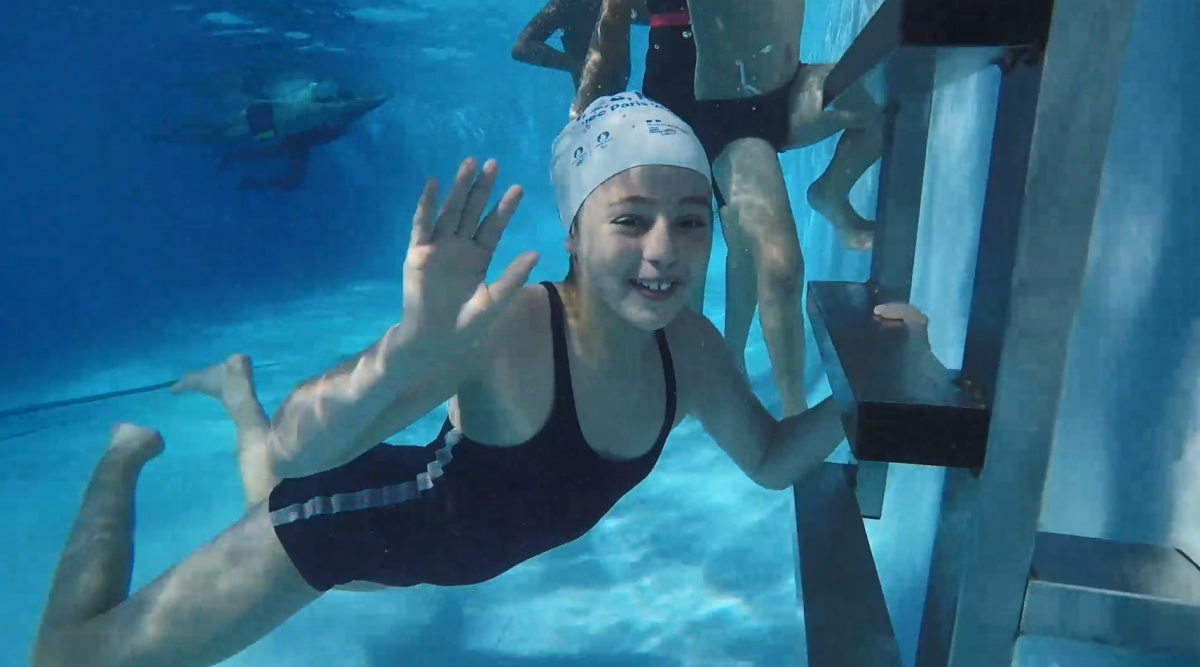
point(861, 122)
point(95, 568)
point(232, 383)
point(749, 174)
point(829, 195)
point(741, 288)
point(220, 600)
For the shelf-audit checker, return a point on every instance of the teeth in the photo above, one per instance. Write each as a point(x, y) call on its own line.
point(655, 285)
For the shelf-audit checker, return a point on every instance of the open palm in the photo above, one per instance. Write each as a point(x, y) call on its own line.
point(445, 297)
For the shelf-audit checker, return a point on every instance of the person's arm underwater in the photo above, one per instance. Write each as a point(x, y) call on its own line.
point(333, 418)
point(608, 52)
point(531, 47)
point(449, 316)
point(775, 454)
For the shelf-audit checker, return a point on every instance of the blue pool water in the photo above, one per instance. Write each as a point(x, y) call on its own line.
point(125, 264)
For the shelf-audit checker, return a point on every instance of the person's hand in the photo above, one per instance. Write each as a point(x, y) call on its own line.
point(446, 303)
point(907, 315)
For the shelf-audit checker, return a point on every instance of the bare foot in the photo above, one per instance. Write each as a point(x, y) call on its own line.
point(133, 443)
point(854, 231)
point(229, 382)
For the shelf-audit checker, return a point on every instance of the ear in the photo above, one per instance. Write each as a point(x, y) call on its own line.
point(571, 242)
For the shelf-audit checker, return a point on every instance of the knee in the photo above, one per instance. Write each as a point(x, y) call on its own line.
point(768, 237)
point(780, 272)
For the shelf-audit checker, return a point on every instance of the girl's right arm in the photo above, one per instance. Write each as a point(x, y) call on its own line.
point(449, 317)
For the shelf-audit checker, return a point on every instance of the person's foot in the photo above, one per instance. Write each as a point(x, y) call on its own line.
point(134, 444)
point(854, 231)
point(229, 382)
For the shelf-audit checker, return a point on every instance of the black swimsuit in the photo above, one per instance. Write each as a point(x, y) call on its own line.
point(379, 519)
point(670, 81)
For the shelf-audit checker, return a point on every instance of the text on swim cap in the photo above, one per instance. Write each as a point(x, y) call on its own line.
point(652, 127)
point(619, 102)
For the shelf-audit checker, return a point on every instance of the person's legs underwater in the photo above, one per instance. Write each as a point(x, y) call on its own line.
point(763, 260)
point(861, 121)
point(232, 383)
point(221, 599)
point(764, 246)
point(741, 285)
point(760, 230)
point(96, 567)
point(744, 137)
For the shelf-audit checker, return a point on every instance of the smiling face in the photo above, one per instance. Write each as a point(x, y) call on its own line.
point(642, 242)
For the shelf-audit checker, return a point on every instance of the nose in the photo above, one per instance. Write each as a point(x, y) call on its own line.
point(659, 246)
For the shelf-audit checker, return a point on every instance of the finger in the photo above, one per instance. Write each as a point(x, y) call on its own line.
point(450, 215)
point(907, 312)
point(422, 225)
point(478, 198)
point(493, 226)
point(890, 311)
point(514, 276)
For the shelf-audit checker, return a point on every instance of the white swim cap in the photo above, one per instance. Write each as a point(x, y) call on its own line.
point(614, 134)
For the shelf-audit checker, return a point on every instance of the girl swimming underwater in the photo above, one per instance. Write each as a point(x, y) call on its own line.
point(563, 395)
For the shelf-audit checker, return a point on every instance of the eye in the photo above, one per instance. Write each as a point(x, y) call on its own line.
point(626, 221)
point(693, 223)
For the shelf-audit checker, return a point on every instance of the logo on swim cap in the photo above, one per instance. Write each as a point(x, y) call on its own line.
point(612, 135)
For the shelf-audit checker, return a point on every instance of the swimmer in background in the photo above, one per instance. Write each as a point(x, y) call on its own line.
point(279, 130)
point(731, 70)
point(577, 20)
point(609, 361)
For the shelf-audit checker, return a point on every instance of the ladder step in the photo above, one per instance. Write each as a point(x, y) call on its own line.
point(967, 36)
point(846, 618)
point(1136, 597)
point(899, 403)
